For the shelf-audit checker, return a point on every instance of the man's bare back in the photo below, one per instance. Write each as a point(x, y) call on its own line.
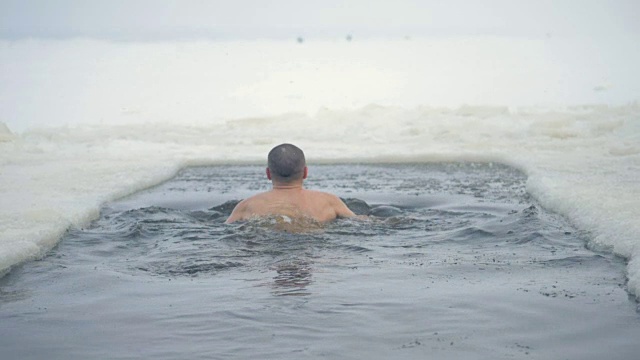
point(287, 171)
point(294, 203)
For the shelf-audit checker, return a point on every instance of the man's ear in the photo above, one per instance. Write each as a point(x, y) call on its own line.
point(268, 174)
point(305, 173)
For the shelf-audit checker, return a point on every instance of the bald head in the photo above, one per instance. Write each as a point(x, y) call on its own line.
point(286, 163)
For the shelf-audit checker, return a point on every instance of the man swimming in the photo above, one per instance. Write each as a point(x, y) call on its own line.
point(287, 170)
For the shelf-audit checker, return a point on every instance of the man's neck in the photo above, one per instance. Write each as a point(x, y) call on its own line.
point(292, 186)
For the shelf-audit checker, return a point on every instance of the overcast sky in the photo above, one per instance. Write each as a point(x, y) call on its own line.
point(171, 19)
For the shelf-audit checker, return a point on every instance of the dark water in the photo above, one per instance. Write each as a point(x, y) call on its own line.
point(457, 262)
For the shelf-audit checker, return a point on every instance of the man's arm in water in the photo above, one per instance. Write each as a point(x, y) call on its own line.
point(238, 212)
point(342, 211)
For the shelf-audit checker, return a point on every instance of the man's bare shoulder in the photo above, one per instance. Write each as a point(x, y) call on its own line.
point(264, 196)
point(334, 202)
point(247, 207)
point(322, 194)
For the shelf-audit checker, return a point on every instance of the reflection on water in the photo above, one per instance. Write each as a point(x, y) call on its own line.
point(293, 278)
point(455, 261)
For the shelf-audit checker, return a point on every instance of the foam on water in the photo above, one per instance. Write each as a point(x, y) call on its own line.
point(140, 112)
